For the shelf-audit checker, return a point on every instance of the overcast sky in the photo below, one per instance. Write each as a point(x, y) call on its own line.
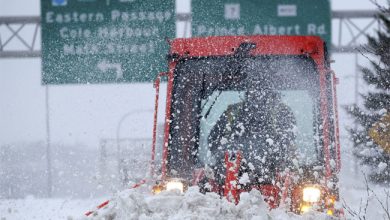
point(86, 113)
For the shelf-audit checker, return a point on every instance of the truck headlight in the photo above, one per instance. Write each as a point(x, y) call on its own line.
point(170, 184)
point(311, 194)
point(175, 185)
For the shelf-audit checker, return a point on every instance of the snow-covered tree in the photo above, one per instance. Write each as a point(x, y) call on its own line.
point(371, 138)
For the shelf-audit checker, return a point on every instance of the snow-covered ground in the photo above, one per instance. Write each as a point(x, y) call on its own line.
point(133, 204)
point(44, 209)
point(138, 204)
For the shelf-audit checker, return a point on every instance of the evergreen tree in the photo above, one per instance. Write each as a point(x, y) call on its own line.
point(371, 137)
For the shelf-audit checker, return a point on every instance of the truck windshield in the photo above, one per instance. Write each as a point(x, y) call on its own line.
point(265, 107)
point(304, 134)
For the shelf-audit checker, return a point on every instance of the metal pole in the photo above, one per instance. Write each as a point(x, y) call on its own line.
point(48, 145)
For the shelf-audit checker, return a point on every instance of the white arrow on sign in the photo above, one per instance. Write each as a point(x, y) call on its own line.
point(104, 66)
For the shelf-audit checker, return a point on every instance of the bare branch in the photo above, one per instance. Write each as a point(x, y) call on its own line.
point(387, 200)
point(368, 195)
point(385, 209)
point(349, 209)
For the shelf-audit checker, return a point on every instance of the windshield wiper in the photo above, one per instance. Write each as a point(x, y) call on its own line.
point(212, 104)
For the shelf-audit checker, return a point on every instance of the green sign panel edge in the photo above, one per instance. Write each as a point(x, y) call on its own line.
point(264, 17)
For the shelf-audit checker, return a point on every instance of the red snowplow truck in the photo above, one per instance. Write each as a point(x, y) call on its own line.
point(251, 112)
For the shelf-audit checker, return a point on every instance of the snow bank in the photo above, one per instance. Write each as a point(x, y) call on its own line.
point(135, 204)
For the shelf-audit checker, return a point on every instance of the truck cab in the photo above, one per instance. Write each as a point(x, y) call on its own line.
point(251, 112)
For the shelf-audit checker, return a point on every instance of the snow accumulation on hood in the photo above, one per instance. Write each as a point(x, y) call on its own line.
point(136, 204)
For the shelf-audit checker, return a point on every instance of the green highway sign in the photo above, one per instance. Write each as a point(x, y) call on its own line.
point(265, 17)
point(105, 41)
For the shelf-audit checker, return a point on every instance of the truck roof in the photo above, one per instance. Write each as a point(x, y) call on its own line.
point(312, 46)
